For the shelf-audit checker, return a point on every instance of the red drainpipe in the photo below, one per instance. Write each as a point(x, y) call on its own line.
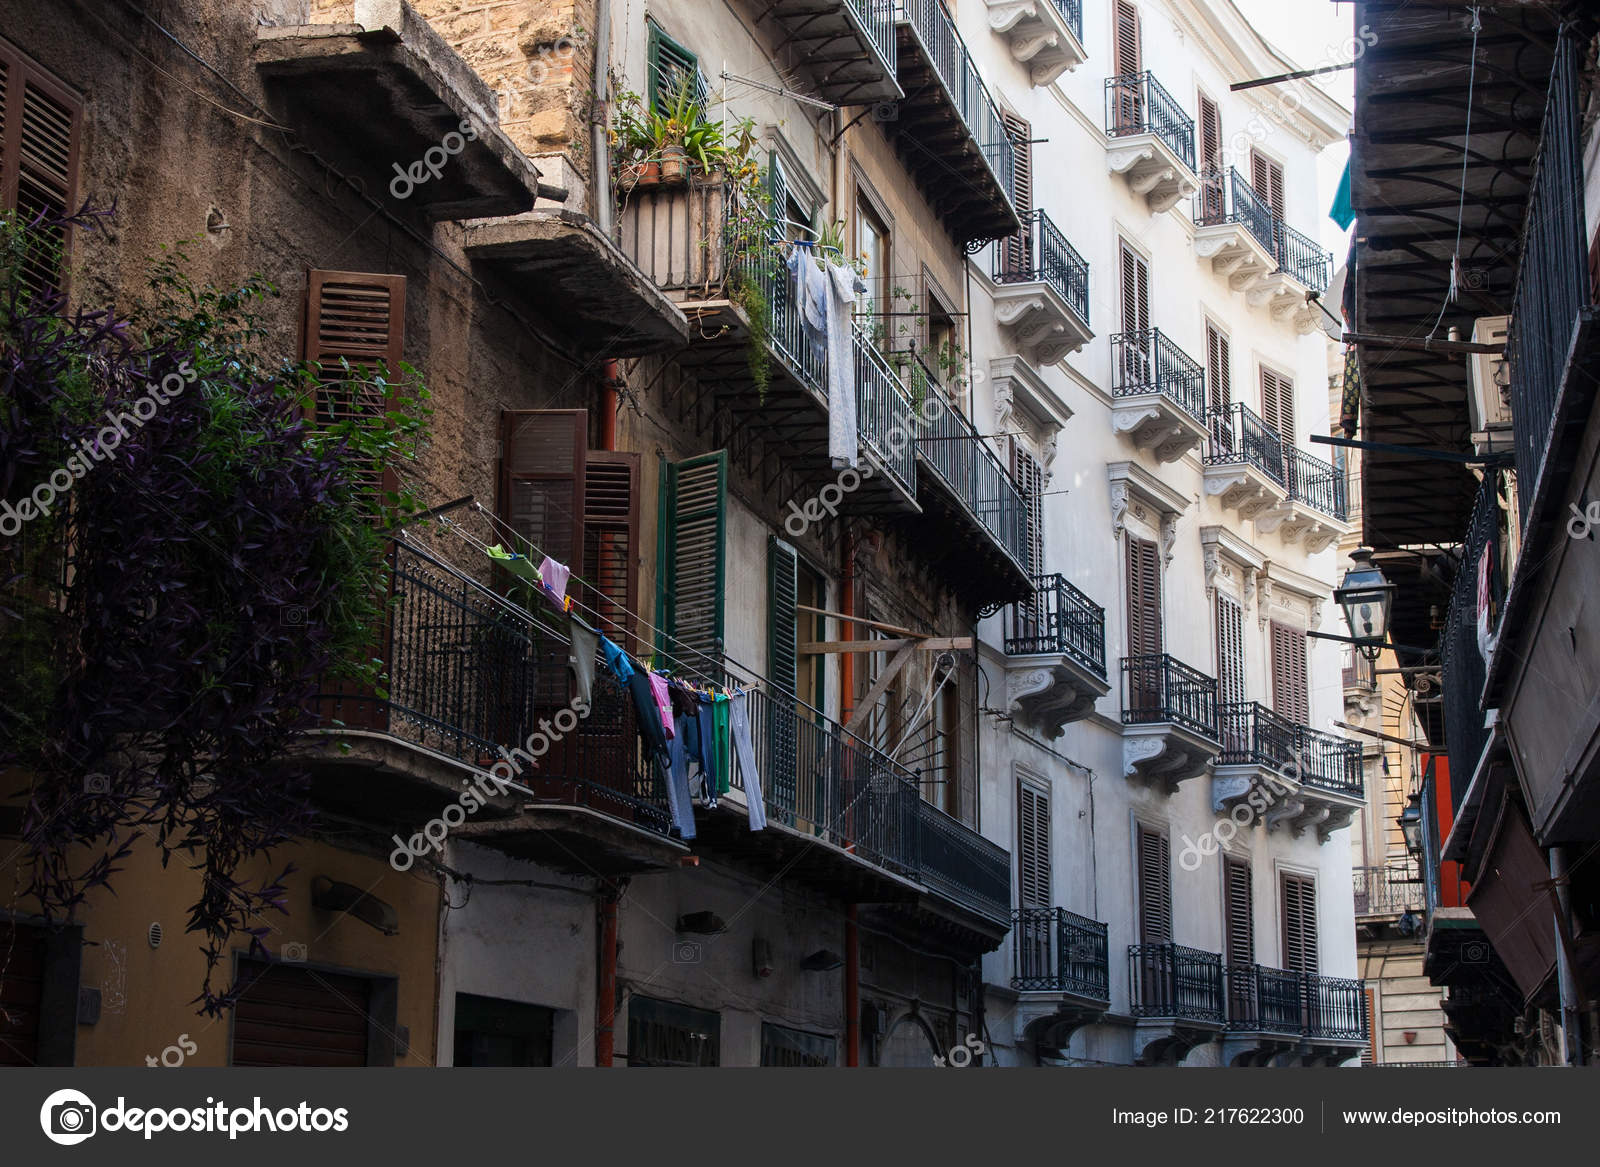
point(605, 1003)
point(608, 405)
point(847, 700)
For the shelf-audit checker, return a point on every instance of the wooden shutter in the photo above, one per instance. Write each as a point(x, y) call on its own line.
point(1299, 923)
point(783, 587)
point(1219, 377)
point(543, 475)
point(1289, 690)
point(1019, 256)
point(694, 530)
point(1277, 406)
point(1030, 480)
point(1144, 597)
point(1214, 199)
point(1155, 886)
point(1266, 176)
point(1033, 846)
point(1135, 291)
point(289, 1015)
point(1230, 650)
point(40, 136)
point(1239, 931)
point(1369, 1053)
point(672, 65)
point(610, 524)
point(1125, 30)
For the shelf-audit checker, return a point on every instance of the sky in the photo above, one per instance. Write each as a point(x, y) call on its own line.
point(1305, 30)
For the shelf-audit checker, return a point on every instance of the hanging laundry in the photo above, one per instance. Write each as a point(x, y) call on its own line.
point(554, 577)
point(706, 718)
point(658, 688)
point(581, 655)
point(649, 716)
point(719, 723)
point(678, 800)
point(811, 294)
point(744, 749)
point(843, 446)
point(616, 661)
point(518, 565)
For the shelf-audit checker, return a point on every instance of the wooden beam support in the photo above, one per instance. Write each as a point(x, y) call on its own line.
point(892, 670)
point(927, 644)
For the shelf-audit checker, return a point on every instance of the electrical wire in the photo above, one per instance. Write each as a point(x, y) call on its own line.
point(1466, 154)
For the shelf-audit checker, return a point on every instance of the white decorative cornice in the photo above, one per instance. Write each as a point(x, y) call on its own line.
point(1133, 485)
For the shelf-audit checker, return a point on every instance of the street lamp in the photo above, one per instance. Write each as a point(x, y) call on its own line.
point(1411, 824)
point(1366, 597)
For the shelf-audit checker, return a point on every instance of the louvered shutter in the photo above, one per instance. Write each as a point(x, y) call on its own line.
point(1126, 35)
point(1289, 690)
point(778, 192)
point(1219, 375)
point(543, 475)
point(1033, 851)
point(1144, 597)
point(1369, 1053)
point(1230, 650)
point(1239, 913)
point(40, 136)
point(1266, 176)
point(610, 524)
point(1155, 887)
point(1019, 258)
point(1299, 924)
point(1128, 103)
point(1277, 407)
point(1030, 479)
point(672, 65)
point(696, 565)
point(1214, 200)
point(1138, 361)
point(782, 616)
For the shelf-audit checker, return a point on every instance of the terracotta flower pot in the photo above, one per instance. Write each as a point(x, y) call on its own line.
point(674, 164)
point(649, 173)
point(628, 177)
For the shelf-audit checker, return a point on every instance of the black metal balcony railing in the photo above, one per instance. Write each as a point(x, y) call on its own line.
point(1301, 257)
point(1336, 1008)
point(1552, 281)
point(936, 29)
point(961, 865)
point(761, 263)
point(1148, 362)
point(1388, 891)
point(1358, 672)
point(1056, 951)
point(1461, 665)
point(1318, 484)
point(957, 453)
point(1238, 435)
point(1328, 762)
point(1072, 11)
point(1252, 734)
point(1137, 104)
point(884, 413)
point(1160, 688)
point(1274, 1000)
point(1169, 980)
point(1040, 253)
point(1229, 198)
point(1059, 618)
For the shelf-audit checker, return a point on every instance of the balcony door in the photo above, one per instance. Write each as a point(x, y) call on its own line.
point(1156, 972)
point(1032, 614)
point(1128, 102)
point(1298, 908)
point(1033, 937)
point(1019, 258)
point(1239, 936)
point(1277, 412)
point(1138, 356)
point(1230, 672)
point(1290, 696)
point(1145, 633)
point(1213, 195)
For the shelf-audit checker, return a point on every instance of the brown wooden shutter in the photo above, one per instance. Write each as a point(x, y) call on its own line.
point(1289, 688)
point(1299, 923)
point(1126, 50)
point(289, 1015)
point(1030, 479)
point(1230, 650)
point(1155, 886)
point(1238, 912)
point(611, 542)
point(40, 139)
point(1277, 406)
point(1214, 199)
point(1033, 851)
point(1144, 597)
point(1219, 376)
point(1135, 291)
point(1266, 176)
point(1019, 248)
point(1369, 1053)
point(543, 475)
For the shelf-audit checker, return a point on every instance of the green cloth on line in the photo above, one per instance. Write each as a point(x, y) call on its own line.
point(1342, 212)
point(518, 565)
point(719, 727)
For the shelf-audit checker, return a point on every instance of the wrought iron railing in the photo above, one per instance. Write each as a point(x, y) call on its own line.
point(1148, 362)
point(885, 417)
point(1253, 735)
point(877, 19)
point(1336, 1008)
point(1358, 672)
point(1169, 980)
point(1274, 1000)
point(1462, 669)
point(957, 454)
point(962, 865)
point(1317, 483)
point(935, 29)
point(1058, 618)
point(1072, 11)
point(762, 264)
point(1160, 688)
point(1553, 278)
point(1388, 891)
point(1226, 197)
point(1328, 762)
point(1040, 253)
point(1302, 258)
point(1137, 104)
point(1056, 951)
point(1238, 435)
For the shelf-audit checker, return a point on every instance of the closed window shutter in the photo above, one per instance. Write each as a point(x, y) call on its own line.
point(695, 513)
point(1135, 291)
point(782, 616)
point(1214, 195)
point(40, 136)
point(1144, 597)
point(1239, 910)
point(543, 475)
point(1299, 924)
point(1033, 853)
point(611, 541)
point(1218, 369)
point(1289, 691)
point(1277, 406)
point(778, 191)
point(1126, 38)
point(671, 65)
point(1230, 650)
point(1369, 1052)
point(1266, 176)
point(1155, 887)
point(1030, 479)
point(1019, 247)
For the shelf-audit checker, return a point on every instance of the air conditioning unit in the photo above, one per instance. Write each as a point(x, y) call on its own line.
point(1489, 399)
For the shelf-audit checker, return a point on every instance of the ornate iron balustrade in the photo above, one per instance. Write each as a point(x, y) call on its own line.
point(761, 263)
point(1388, 891)
point(1137, 104)
point(1226, 197)
point(1318, 484)
point(1072, 11)
point(1328, 762)
point(936, 29)
point(1059, 618)
point(1238, 435)
point(1252, 734)
point(885, 418)
point(1169, 980)
point(1148, 362)
point(961, 865)
point(1301, 257)
point(1358, 672)
point(1040, 253)
point(956, 452)
point(1265, 1000)
point(1160, 688)
point(1055, 951)
point(1335, 1008)
point(1552, 280)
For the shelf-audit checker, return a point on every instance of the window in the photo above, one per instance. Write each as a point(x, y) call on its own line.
point(784, 204)
point(1214, 198)
point(1289, 695)
point(1033, 845)
point(1230, 651)
point(1144, 597)
point(812, 591)
point(1019, 259)
point(293, 1015)
point(1300, 923)
point(1266, 176)
point(1277, 406)
point(494, 1032)
point(1219, 375)
point(1138, 351)
point(664, 1033)
point(692, 565)
point(1129, 103)
point(1238, 906)
point(782, 1046)
point(611, 542)
point(671, 66)
point(872, 244)
point(39, 993)
point(1030, 480)
point(1155, 886)
point(40, 136)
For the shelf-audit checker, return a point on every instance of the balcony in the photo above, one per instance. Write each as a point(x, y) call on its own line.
point(948, 129)
point(1169, 720)
point(1387, 893)
point(974, 516)
point(1061, 971)
point(1235, 229)
point(1055, 655)
point(848, 46)
point(1302, 267)
point(1176, 993)
point(1041, 295)
point(1275, 1015)
point(1244, 467)
point(1152, 140)
point(1045, 35)
point(1289, 775)
point(1315, 511)
point(1159, 396)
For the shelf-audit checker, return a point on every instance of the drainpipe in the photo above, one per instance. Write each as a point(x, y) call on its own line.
point(1571, 1041)
point(609, 404)
point(847, 695)
point(605, 1002)
point(599, 153)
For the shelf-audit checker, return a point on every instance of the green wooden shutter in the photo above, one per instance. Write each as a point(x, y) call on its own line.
point(778, 192)
point(671, 65)
point(694, 534)
point(783, 576)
